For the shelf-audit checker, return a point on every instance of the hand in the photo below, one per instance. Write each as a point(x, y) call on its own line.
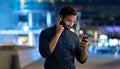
point(59, 27)
point(84, 43)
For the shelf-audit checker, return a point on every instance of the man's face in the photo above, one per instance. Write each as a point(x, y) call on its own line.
point(69, 20)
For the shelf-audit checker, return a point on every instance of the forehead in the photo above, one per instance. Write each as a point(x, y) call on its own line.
point(71, 17)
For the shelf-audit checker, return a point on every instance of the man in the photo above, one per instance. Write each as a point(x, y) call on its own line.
point(59, 45)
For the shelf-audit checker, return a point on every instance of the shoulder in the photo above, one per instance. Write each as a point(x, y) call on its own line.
point(73, 33)
point(48, 30)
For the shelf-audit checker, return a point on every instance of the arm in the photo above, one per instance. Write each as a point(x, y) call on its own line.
point(53, 42)
point(83, 56)
point(46, 45)
point(81, 51)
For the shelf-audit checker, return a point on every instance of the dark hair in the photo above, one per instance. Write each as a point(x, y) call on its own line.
point(67, 10)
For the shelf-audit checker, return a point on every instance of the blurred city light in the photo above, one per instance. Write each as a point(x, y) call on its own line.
point(81, 31)
point(25, 28)
point(113, 42)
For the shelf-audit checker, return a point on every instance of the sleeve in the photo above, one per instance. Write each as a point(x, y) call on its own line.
point(78, 51)
point(44, 44)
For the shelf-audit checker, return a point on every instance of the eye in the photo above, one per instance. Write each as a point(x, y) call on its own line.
point(69, 20)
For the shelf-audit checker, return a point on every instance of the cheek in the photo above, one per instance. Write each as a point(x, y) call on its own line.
point(71, 24)
point(67, 23)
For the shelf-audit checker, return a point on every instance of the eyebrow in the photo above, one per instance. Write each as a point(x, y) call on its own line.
point(70, 20)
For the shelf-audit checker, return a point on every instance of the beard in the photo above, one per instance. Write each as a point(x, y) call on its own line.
point(66, 27)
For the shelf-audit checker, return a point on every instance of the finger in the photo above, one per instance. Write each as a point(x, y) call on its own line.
point(83, 45)
point(59, 20)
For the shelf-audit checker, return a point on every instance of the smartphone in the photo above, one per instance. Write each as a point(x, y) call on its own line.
point(84, 37)
point(62, 23)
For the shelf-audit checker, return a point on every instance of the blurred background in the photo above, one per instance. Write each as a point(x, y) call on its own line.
point(21, 22)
